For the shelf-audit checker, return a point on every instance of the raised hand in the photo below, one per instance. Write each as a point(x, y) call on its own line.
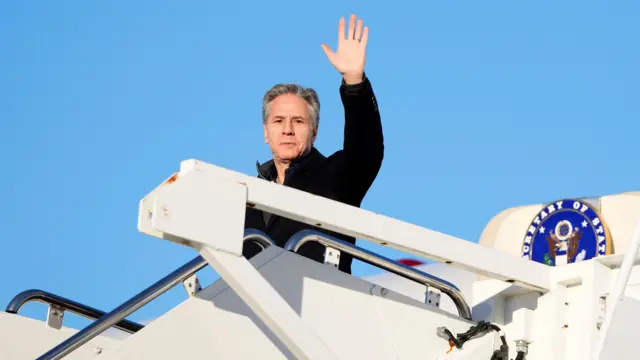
point(350, 58)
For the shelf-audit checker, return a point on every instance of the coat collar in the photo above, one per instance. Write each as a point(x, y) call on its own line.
point(305, 163)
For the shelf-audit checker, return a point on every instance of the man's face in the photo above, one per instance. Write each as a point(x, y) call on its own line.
point(288, 129)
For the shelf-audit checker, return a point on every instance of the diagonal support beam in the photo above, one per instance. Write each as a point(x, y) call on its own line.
point(268, 305)
point(207, 213)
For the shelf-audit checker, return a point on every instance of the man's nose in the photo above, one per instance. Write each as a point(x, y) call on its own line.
point(288, 127)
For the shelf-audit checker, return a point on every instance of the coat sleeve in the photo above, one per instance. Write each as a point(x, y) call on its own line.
point(356, 166)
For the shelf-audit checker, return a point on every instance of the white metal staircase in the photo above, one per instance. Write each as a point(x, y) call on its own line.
point(279, 305)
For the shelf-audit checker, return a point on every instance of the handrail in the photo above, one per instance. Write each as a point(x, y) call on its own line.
point(142, 298)
point(298, 239)
point(68, 305)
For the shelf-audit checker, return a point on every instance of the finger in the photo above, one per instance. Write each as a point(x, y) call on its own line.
point(365, 36)
point(352, 26)
point(341, 30)
point(358, 34)
point(327, 51)
point(331, 56)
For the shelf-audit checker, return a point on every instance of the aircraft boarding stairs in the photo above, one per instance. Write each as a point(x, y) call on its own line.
point(480, 301)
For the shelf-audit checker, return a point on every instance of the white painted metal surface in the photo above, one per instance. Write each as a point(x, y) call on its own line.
point(463, 279)
point(617, 295)
point(208, 213)
point(23, 338)
point(351, 316)
point(282, 306)
point(618, 342)
point(367, 225)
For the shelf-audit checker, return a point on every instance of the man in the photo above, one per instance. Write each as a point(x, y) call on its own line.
point(290, 121)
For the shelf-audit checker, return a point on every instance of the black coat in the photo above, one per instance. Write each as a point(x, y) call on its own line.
point(344, 176)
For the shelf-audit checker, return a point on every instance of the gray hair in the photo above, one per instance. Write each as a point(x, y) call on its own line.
point(307, 94)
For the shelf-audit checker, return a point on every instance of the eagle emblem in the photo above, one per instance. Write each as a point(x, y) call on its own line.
point(564, 242)
point(566, 231)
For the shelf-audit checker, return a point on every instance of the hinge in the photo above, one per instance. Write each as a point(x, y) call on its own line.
point(332, 256)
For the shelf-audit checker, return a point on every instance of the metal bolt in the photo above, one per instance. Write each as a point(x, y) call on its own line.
point(523, 346)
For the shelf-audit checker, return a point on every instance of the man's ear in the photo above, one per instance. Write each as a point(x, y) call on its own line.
point(266, 139)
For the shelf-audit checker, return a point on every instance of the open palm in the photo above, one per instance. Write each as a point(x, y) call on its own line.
point(350, 57)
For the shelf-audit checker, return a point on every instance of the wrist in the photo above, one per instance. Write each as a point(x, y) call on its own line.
point(352, 79)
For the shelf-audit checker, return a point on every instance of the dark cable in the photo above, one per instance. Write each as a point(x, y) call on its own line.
point(480, 328)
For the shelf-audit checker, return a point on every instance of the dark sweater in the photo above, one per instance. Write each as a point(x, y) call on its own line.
point(345, 176)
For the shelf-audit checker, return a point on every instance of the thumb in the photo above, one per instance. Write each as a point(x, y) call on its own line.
point(327, 51)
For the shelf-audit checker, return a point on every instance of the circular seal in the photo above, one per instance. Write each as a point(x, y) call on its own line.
point(564, 232)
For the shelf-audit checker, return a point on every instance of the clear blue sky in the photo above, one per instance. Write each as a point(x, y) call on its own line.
point(486, 105)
